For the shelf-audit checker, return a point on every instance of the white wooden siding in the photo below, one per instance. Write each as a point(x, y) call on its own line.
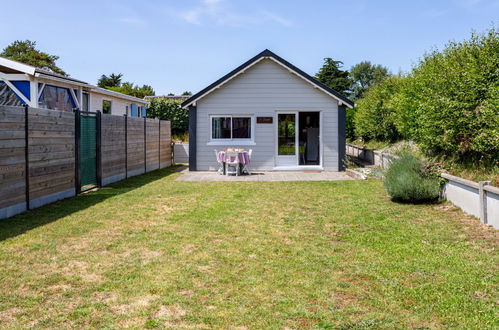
point(261, 91)
point(118, 106)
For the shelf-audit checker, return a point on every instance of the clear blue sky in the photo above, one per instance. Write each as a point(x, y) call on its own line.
point(185, 45)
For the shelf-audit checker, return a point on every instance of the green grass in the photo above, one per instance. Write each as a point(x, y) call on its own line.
point(153, 252)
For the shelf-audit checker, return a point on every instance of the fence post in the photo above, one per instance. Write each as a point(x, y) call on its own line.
point(172, 144)
point(159, 144)
point(26, 154)
point(98, 157)
point(145, 145)
point(77, 152)
point(126, 146)
point(482, 200)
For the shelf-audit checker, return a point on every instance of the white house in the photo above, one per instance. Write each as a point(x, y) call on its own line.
point(24, 84)
point(290, 120)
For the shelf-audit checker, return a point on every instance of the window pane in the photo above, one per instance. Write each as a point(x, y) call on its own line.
point(241, 128)
point(221, 127)
point(55, 98)
point(106, 106)
point(85, 102)
point(286, 131)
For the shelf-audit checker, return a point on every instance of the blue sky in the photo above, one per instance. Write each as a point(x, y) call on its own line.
point(185, 45)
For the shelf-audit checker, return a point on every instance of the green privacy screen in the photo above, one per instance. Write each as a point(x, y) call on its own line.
point(88, 150)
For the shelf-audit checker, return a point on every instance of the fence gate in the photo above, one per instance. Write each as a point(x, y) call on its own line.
point(87, 150)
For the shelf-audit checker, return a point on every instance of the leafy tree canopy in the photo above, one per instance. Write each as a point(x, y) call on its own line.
point(113, 82)
point(364, 75)
point(26, 52)
point(171, 110)
point(186, 93)
point(332, 76)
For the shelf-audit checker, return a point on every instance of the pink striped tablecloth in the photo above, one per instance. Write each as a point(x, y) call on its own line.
point(242, 157)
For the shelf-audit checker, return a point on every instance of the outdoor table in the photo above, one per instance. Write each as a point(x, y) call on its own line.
point(243, 159)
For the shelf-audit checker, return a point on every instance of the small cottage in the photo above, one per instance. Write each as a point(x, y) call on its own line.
point(290, 120)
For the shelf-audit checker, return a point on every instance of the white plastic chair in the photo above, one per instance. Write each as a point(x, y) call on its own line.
point(232, 166)
point(220, 164)
point(246, 166)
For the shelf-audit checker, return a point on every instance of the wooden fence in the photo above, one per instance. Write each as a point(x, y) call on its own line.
point(45, 141)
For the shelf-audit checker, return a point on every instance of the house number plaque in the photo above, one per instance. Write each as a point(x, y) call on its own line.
point(264, 120)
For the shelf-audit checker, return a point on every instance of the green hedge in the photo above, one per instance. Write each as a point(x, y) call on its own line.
point(171, 110)
point(375, 115)
point(448, 104)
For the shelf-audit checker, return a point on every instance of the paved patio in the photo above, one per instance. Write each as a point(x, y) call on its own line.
point(265, 176)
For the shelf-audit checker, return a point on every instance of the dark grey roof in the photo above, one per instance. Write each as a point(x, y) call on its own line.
point(268, 53)
point(56, 75)
point(168, 97)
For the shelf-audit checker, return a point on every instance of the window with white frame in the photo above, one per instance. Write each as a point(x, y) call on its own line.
point(106, 106)
point(231, 128)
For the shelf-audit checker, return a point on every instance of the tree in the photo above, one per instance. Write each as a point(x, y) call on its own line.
point(114, 80)
point(129, 88)
point(167, 109)
point(26, 52)
point(364, 75)
point(186, 93)
point(332, 76)
point(375, 117)
point(451, 101)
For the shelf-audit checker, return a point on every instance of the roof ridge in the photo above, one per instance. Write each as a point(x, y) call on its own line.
point(267, 53)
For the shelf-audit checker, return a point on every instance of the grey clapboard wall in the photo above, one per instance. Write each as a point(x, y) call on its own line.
point(260, 91)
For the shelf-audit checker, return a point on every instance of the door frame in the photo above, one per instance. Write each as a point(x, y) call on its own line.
point(297, 154)
point(297, 124)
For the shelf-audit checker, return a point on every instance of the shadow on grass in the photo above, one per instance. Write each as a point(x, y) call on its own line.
point(23, 222)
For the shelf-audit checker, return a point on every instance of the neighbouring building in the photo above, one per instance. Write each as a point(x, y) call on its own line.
point(22, 84)
point(289, 119)
point(168, 97)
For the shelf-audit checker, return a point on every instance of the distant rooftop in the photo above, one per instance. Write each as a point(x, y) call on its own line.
point(168, 97)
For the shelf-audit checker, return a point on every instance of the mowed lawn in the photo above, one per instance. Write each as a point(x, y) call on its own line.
point(153, 252)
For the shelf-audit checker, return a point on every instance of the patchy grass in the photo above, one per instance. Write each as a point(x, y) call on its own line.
point(153, 252)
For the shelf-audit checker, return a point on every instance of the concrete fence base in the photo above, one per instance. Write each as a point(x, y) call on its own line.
point(370, 156)
point(476, 198)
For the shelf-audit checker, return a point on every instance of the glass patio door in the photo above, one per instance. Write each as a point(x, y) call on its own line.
point(287, 139)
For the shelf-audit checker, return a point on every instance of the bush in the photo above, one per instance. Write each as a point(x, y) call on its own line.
point(448, 103)
point(350, 125)
point(407, 180)
point(171, 110)
point(452, 100)
point(375, 116)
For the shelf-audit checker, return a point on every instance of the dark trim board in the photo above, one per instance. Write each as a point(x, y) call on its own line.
point(267, 53)
point(342, 141)
point(192, 138)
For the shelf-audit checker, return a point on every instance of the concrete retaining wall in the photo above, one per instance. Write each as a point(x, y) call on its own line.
point(475, 198)
point(370, 156)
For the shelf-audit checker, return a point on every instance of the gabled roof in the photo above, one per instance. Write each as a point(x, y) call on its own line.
point(267, 54)
point(15, 66)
